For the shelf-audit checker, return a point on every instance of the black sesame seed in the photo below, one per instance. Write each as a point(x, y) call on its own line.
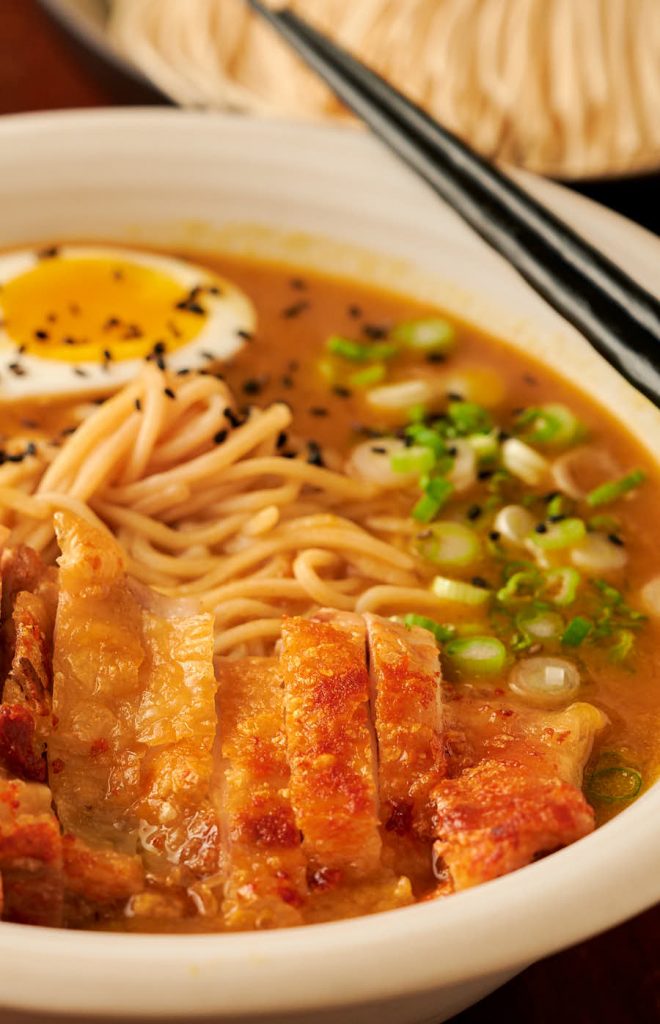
point(79, 372)
point(282, 439)
point(107, 354)
point(67, 431)
point(452, 450)
point(615, 539)
point(378, 449)
point(479, 581)
point(288, 455)
point(17, 369)
point(173, 329)
point(183, 372)
point(503, 436)
point(169, 392)
point(287, 382)
point(473, 512)
point(454, 396)
point(232, 418)
point(540, 528)
point(436, 357)
point(354, 312)
point(290, 312)
point(69, 341)
point(485, 474)
point(375, 331)
point(342, 392)
point(132, 331)
point(314, 456)
point(160, 362)
point(556, 519)
point(298, 283)
point(42, 335)
point(494, 535)
point(138, 404)
point(159, 348)
point(51, 318)
point(319, 411)
point(245, 335)
point(112, 321)
point(252, 386)
point(21, 349)
point(31, 448)
point(220, 436)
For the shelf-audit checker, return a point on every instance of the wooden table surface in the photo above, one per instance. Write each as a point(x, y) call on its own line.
point(612, 979)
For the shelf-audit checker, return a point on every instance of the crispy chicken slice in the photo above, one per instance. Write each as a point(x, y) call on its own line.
point(134, 712)
point(333, 786)
point(29, 594)
point(407, 709)
point(30, 855)
point(97, 881)
point(266, 883)
point(499, 816)
point(331, 750)
point(519, 796)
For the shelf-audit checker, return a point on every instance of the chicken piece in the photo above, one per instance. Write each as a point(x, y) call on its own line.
point(25, 711)
point(134, 711)
point(519, 796)
point(266, 883)
point(30, 855)
point(501, 815)
point(407, 709)
point(97, 880)
point(94, 756)
point(176, 723)
point(331, 749)
point(553, 743)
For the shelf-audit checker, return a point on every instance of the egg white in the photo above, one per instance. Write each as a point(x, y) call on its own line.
point(230, 318)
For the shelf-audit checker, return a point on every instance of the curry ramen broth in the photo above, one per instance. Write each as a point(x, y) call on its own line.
point(324, 346)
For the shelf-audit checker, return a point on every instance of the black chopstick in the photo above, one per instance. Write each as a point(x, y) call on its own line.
point(616, 315)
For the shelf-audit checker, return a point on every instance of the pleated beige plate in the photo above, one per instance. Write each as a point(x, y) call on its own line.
point(332, 199)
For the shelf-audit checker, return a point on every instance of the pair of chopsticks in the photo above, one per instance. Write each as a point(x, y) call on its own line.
point(615, 314)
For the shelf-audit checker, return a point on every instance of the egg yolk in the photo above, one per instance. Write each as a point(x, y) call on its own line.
point(95, 310)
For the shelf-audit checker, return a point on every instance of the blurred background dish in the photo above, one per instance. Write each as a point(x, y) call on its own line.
point(564, 89)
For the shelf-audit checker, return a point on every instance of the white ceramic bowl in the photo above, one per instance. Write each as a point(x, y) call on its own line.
point(166, 176)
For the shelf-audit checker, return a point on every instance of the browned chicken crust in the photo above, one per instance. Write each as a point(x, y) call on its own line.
point(266, 883)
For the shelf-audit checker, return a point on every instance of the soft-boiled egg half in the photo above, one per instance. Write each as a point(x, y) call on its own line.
point(84, 318)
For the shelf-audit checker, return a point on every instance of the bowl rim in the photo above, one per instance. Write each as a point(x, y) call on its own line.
point(480, 932)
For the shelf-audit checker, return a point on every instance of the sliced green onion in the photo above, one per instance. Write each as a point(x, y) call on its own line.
point(622, 645)
point(614, 784)
point(437, 492)
point(551, 424)
point(545, 681)
point(469, 418)
point(576, 631)
point(441, 633)
point(542, 625)
point(520, 586)
point(485, 446)
point(477, 655)
point(560, 505)
point(413, 460)
point(561, 585)
point(614, 489)
point(449, 544)
point(604, 523)
point(459, 592)
point(431, 334)
point(359, 351)
point(365, 378)
point(562, 535)
point(426, 436)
